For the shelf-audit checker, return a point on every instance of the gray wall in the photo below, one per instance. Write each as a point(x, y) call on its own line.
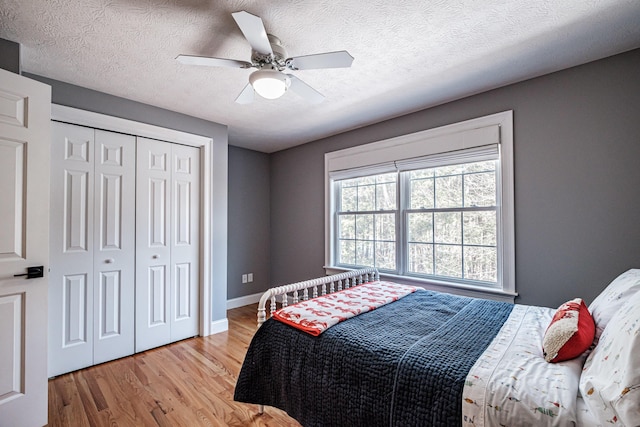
point(248, 222)
point(90, 100)
point(10, 56)
point(577, 180)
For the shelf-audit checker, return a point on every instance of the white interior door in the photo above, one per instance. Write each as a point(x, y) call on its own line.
point(153, 246)
point(71, 277)
point(167, 243)
point(114, 246)
point(25, 107)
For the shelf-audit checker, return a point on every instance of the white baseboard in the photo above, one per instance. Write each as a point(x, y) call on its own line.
point(222, 325)
point(218, 326)
point(242, 301)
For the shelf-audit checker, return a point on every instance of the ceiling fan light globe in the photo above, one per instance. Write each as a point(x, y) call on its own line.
point(269, 84)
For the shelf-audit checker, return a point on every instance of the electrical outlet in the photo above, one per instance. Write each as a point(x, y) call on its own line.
point(250, 277)
point(244, 278)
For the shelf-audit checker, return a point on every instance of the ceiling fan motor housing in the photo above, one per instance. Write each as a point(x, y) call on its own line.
point(277, 61)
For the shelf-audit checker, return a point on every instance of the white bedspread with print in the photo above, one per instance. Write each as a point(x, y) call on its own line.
point(511, 383)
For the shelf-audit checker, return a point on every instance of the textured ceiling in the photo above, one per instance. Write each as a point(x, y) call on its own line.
point(409, 54)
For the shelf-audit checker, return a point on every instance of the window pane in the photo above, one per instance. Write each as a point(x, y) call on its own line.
point(420, 227)
point(448, 227)
point(448, 261)
point(420, 258)
point(480, 189)
point(449, 192)
point(366, 197)
point(347, 226)
point(367, 180)
point(364, 253)
point(364, 227)
point(481, 264)
point(386, 255)
point(449, 170)
point(348, 199)
point(421, 173)
point(422, 196)
point(385, 227)
point(386, 178)
point(489, 165)
point(347, 252)
point(386, 196)
point(480, 228)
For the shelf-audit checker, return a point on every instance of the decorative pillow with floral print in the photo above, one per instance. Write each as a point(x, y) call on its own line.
point(610, 380)
point(613, 297)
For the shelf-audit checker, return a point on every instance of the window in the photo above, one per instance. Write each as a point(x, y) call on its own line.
point(451, 222)
point(366, 223)
point(435, 207)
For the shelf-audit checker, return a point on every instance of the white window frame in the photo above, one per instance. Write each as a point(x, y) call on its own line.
point(380, 156)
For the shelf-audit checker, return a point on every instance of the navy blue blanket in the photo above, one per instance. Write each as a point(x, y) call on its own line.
point(403, 364)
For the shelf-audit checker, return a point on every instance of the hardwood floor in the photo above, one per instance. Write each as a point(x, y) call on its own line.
point(189, 383)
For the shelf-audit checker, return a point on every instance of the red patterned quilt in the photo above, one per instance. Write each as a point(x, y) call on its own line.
point(316, 315)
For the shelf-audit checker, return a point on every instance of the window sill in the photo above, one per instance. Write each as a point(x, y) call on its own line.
point(434, 285)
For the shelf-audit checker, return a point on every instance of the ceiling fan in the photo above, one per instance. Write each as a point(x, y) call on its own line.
point(270, 58)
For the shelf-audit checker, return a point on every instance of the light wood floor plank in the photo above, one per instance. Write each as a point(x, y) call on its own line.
point(189, 383)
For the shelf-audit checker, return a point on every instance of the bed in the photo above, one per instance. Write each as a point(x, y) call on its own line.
point(434, 359)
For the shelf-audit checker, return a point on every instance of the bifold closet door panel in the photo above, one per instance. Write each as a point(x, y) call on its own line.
point(153, 246)
point(114, 246)
point(167, 243)
point(71, 249)
point(185, 242)
point(92, 251)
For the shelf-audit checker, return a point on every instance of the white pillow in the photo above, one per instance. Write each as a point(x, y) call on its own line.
point(613, 297)
point(610, 380)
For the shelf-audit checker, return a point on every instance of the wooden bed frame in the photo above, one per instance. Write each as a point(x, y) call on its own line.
point(336, 282)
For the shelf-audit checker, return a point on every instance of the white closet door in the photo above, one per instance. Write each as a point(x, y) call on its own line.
point(185, 242)
point(91, 306)
point(114, 246)
point(71, 276)
point(167, 243)
point(153, 246)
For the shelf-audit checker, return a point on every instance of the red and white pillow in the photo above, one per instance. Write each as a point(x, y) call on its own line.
point(570, 333)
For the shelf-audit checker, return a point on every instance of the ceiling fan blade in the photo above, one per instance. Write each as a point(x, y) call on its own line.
point(304, 90)
point(340, 59)
point(246, 96)
point(253, 30)
point(212, 62)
